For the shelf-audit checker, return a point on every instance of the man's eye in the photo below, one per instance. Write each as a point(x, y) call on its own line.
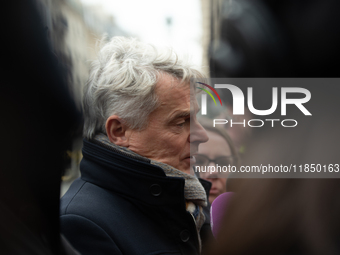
point(185, 121)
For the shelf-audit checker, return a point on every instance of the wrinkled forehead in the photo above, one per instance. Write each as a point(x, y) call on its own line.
point(172, 87)
point(191, 91)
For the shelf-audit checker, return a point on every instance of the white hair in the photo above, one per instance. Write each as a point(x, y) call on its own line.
point(122, 82)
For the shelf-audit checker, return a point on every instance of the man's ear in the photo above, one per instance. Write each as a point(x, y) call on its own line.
point(116, 131)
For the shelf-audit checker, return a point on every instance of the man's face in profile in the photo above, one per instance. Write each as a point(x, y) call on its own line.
point(167, 137)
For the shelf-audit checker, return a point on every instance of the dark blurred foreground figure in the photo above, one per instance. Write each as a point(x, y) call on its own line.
point(263, 38)
point(282, 216)
point(285, 216)
point(37, 116)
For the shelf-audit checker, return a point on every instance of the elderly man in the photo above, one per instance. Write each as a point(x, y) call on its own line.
point(135, 194)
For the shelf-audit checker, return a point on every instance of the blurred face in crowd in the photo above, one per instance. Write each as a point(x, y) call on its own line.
point(167, 137)
point(217, 148)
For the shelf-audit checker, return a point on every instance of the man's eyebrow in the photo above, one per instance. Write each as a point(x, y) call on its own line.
point(180, 115)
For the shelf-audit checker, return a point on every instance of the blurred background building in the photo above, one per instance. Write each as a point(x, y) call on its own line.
point(73, 29)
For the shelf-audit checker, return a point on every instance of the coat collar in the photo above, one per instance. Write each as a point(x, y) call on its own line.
point(129, 177)
point(134, 177)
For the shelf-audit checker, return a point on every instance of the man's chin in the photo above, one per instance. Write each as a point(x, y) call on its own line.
point(187, 170)
point(187, 166)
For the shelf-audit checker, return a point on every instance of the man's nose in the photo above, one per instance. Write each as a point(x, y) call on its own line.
point(197, 133)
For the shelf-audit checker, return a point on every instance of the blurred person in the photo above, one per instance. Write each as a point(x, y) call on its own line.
point(38, 118)
point(219, 150)
point(136, 194)
point(282, 216)
point(286, 216)
point(238, 134)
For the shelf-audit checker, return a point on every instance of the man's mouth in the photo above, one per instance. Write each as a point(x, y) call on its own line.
point(192, 159)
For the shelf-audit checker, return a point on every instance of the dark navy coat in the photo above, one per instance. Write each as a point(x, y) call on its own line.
point(122, 205)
